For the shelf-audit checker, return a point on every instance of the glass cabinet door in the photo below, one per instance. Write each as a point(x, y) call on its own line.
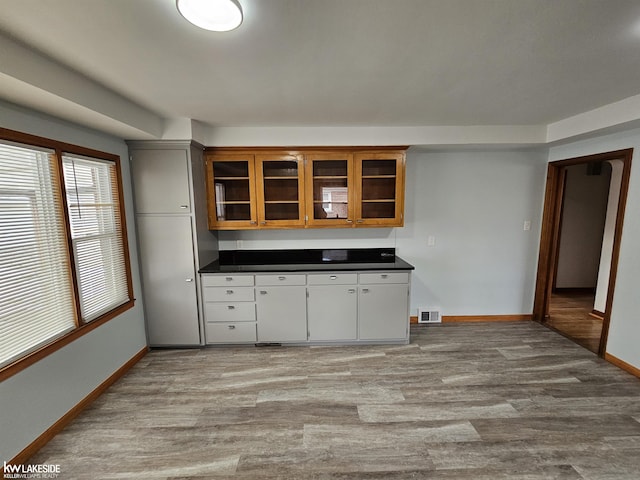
point(279, 185)
point(380, 189)
point(230, 186)
point(329, 185)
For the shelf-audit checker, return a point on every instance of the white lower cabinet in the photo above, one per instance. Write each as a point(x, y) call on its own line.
point(300, 308)
point(332, 306)
point(281, 313)
point(229, 309)
point(383, 312)
point(232, 332)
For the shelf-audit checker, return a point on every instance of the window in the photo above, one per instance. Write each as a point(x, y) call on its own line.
point(64, 266)
point(96, 233)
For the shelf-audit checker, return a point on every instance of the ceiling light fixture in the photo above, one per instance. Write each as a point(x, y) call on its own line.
point(215, 15)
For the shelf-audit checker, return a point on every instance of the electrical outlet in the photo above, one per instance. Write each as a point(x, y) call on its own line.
point(431, 241)
point(527, 225)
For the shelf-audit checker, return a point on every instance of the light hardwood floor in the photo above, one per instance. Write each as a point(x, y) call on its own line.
point(569, 313)
point(462, 401)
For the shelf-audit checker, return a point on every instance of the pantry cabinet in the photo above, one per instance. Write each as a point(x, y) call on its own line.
point(173, 238)
point(305, 188)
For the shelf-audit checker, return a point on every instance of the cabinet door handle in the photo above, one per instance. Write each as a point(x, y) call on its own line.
point(352, 290)
point(231, 307)
point(282, 278)
point(263, 292)
point(231, 327)
point(365, 290)
point(333, 277)
point(229, 292)
point(184, 207)
point(229, 279)
point(188, 279)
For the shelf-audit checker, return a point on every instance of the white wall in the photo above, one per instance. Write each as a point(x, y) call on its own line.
point(624, 330)
point(581, 231)
point(32, 400)
point(474, 203)
point(604, 270)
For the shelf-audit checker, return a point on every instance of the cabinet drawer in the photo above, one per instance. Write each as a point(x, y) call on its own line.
point(395, 277)
point(230, 294)
point(227, 280)
point(332, 279)
point(230, 332)
point(230, 312)
point(284, 279)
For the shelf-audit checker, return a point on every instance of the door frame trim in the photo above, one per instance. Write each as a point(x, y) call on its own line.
point(547, 257)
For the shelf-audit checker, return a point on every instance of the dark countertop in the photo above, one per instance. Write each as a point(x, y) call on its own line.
point(354, 259)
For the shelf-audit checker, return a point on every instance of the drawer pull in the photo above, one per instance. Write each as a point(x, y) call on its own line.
point(184, 207)
point(349, 221)
point(231, 327)
point(229, 292)
point(333, 277)
point(352, 290)
point(188, 279)
point(230, 307)
point(365, 290)
point(359, 221)
point(384, 275)
point(229, 279)
point(282, 278)
point(263, 292)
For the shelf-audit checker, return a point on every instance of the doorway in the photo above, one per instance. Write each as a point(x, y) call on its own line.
point(579, 245)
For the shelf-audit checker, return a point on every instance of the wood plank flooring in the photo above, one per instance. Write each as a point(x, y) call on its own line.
point(569, 313)
point(461, 401)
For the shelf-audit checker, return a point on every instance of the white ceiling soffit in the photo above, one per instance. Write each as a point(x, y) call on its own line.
point(379, 71)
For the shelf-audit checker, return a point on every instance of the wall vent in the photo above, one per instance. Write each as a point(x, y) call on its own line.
point(426, 315)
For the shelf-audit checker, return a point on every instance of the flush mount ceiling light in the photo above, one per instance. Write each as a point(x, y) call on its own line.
point(215, 15)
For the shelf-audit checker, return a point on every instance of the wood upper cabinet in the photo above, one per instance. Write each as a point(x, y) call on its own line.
point(330, 189)
point(380, 189)
point(231, 197)
point(271, 188)
point(280, 190)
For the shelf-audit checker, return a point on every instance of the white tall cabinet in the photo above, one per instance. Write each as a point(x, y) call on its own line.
point(173, 237)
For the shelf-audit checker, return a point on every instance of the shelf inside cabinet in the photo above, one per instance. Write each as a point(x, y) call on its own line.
point(281, 211)
point(378, 167)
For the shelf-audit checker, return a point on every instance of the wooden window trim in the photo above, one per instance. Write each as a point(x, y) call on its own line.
point(81, 327)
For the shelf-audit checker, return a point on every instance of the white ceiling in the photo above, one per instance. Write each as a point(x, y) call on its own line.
point(309, 63)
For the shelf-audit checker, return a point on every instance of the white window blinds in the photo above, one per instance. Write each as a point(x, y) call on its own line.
point(36, 299)
point(96, 232)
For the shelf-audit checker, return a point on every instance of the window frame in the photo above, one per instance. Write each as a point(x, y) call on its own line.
point(82, 327)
